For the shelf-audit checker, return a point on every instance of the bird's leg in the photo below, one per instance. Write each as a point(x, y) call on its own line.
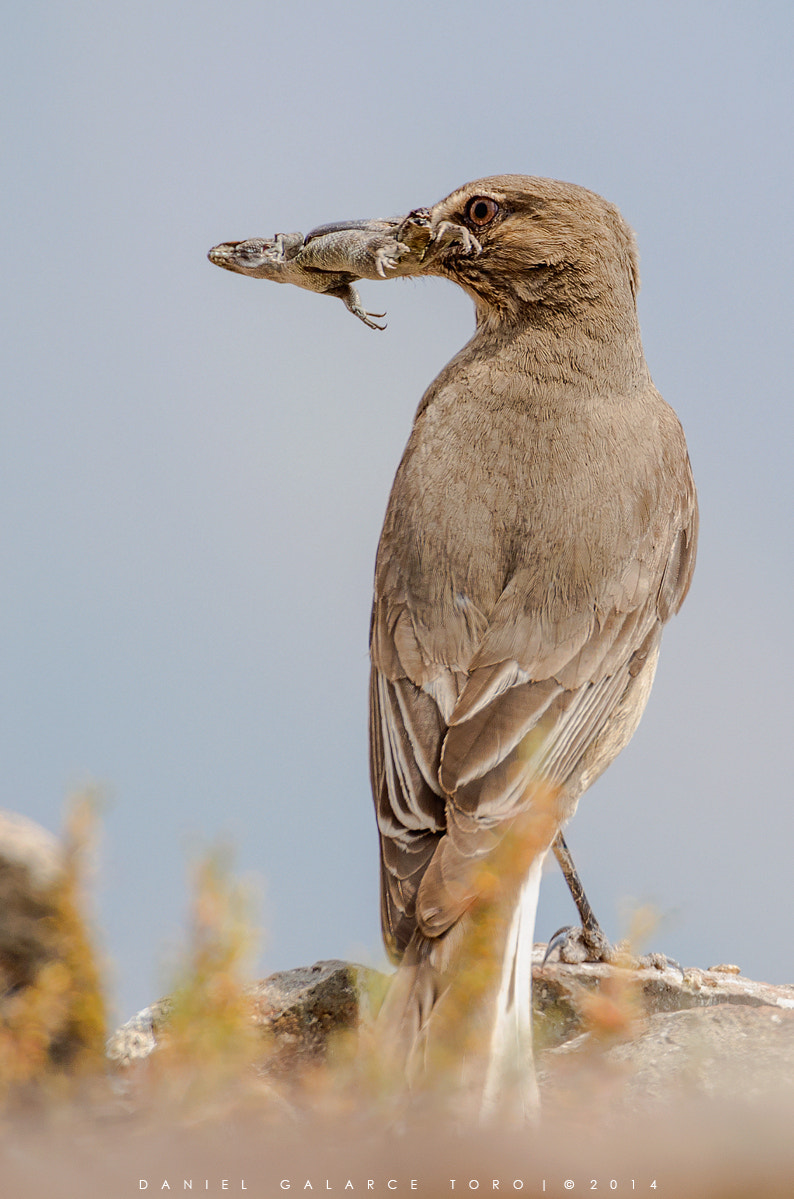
point(591, 936)
point(589, 943)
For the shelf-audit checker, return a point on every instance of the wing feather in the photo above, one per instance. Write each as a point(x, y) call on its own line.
point(465, 732)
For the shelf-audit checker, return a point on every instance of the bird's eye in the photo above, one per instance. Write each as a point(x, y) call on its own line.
point(481, 210)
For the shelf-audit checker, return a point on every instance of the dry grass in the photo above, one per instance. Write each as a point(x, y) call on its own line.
point(202, 1111)
point(52, 1024)
point(209, 1044)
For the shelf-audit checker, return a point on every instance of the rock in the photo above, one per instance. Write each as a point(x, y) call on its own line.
point(728, 1052)
point(644, 1034)
point(559, 990)
point(304, 1008)
point(137, 1039)
point(635, 1037)
point(298, 1011)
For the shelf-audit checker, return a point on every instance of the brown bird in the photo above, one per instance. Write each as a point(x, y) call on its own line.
point(541, 530)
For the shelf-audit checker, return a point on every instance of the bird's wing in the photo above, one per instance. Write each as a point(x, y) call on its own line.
point(461, 739)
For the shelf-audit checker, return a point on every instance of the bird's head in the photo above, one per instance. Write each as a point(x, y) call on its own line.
point(535, 245)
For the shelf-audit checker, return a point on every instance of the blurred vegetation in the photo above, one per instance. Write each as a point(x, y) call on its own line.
point(52, 1007)
point(208, 1045)
point(208, 1104)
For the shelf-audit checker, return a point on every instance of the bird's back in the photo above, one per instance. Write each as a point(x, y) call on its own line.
point(507, 476)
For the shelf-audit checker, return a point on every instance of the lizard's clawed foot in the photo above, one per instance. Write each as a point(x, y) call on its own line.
point(352, 302)
point(448, 234)
point(387, 257)
point(422, 240)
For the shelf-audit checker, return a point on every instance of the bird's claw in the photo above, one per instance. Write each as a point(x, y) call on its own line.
point(578, 945)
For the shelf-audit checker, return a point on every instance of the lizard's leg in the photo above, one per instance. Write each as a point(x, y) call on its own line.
point(364, 249)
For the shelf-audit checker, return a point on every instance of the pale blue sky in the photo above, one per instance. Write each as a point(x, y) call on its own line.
point(185, 453)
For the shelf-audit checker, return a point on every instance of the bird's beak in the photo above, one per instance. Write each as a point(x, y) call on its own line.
point(429, 235)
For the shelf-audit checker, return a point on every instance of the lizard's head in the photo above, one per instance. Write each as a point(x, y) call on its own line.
point(242, 257)
point(258, 256)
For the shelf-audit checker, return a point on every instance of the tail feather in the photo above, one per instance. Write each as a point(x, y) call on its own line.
point(403, 1022)
point(510, 1079)
point(414, 1007)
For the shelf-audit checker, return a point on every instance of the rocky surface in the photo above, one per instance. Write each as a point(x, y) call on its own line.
point(727, 1052)
point(297, 1010)
point(647, 1032)
point(649, 1036)
point(561, 992)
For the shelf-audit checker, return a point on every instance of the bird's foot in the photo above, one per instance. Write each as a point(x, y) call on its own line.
point(577, 945)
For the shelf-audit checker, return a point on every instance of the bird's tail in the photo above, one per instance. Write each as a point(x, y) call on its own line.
point(459, 1008)
point(411, 1007)
point(510, 1079)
